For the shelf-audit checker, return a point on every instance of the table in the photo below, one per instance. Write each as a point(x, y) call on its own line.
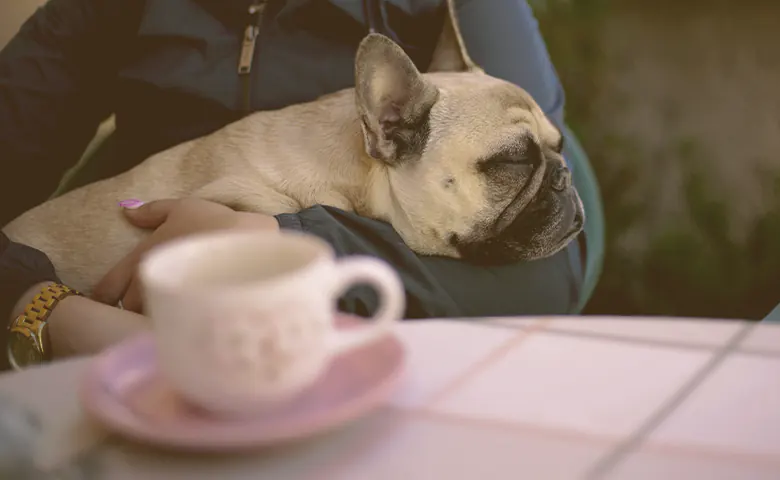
point(537, 398)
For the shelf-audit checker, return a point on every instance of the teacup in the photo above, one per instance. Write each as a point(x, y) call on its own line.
point(244, 320)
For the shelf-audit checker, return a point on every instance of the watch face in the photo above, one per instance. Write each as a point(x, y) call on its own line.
point(21, 352)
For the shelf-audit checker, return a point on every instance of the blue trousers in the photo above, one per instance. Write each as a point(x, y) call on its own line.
point(774, 316)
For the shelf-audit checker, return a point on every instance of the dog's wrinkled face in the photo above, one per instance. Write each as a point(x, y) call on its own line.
point(474, 166)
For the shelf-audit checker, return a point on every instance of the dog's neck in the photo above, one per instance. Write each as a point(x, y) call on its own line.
point(371, 187)
point(326, 142)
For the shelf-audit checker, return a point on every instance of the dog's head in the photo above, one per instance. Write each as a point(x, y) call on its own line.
point(474, 166)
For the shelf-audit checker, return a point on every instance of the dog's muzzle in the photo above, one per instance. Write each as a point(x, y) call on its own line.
point(530, 230)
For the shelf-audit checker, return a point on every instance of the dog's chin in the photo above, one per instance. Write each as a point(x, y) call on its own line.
point(543, 229)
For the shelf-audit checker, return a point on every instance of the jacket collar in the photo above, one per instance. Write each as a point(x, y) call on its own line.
point(239, 8)
point(355, 7)
point(190, 18)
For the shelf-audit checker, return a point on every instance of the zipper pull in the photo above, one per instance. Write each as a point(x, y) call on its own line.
point(247, 49)
point(250, 38)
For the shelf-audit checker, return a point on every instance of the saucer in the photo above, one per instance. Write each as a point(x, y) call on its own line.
point(124, 390)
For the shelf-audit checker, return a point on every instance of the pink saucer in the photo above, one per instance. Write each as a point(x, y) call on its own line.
point(124, 390)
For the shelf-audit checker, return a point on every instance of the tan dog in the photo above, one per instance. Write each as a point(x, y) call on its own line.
point(461, 164)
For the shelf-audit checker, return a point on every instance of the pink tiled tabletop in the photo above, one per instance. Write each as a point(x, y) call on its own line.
point(538, 398)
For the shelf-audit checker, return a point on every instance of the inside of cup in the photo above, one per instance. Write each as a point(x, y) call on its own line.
point(231, 258)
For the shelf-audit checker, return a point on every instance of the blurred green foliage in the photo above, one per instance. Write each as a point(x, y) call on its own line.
point(693, 268)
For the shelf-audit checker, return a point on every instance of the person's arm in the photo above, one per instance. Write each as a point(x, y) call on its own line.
point(502, 37)
point(438, 286)
point(56, 77)
point(80, 326)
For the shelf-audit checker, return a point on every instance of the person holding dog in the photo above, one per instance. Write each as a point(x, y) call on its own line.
point(174, 70)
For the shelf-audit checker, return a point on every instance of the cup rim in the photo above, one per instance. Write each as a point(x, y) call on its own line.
point(154, 263)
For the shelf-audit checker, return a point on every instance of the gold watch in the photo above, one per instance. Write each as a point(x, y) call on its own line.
point(28, 339)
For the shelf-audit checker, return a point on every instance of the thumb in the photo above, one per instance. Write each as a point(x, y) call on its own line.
point(147, 215)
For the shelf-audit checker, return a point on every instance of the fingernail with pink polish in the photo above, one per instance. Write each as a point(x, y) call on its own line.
point(131, 204)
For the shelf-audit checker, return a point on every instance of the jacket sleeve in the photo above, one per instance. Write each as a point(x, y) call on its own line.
point(56, 77)
point(438, 286)
point(503, 38)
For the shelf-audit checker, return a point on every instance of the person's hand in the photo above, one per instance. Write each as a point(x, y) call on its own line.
point(171, 219)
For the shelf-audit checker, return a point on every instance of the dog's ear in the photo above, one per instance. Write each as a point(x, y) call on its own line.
point(393, 100)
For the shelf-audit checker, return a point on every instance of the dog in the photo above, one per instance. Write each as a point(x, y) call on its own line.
point(461, 164)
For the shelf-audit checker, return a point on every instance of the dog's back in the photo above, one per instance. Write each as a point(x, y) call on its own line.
point(280, 160)
point(83, 230)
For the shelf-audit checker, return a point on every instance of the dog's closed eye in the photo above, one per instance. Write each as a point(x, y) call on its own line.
point(512, 160)
point(509, 162)
point(520, 156)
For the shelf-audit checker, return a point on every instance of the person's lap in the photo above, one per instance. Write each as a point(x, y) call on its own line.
point(521, 58)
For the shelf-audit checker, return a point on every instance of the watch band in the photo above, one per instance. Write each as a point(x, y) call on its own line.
point(21, 267)
point(30, 323)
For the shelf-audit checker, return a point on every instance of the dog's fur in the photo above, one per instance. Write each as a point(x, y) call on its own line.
point(461, 164)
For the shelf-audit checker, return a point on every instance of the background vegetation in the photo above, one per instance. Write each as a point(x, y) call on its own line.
point(705, 259)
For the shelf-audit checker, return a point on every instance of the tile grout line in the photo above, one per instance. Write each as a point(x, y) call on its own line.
point(479, 366)
point(689, 451)
point(513, 427)
point(624, 448)
point(649, 342)
point(557, 433)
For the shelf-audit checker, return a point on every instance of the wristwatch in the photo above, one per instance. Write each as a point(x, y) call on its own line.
point(28, 339)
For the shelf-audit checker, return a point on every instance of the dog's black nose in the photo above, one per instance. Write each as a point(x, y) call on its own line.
point(560, 178)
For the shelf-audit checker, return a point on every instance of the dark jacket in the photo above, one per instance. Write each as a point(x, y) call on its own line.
point(168, 70)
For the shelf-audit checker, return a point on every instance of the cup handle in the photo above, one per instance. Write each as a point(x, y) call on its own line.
point(392, 299)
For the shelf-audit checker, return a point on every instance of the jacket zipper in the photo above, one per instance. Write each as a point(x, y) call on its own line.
point(247, 55)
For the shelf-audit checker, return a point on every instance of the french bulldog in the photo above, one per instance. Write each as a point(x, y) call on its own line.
point(461, 164)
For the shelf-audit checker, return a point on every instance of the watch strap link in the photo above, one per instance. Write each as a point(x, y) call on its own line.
point(31, 321)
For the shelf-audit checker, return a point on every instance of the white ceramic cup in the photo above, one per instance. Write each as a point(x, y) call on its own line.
point(244, 320)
